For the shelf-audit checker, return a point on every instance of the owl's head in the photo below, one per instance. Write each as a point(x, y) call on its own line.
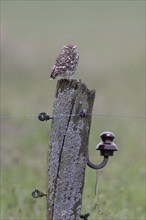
point(70, 49)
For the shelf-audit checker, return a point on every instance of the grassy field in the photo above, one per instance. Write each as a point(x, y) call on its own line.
point(111, 39)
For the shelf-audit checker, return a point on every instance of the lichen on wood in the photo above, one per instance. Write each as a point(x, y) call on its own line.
point(68, 149)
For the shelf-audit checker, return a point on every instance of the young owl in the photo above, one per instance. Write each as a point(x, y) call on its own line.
point(66, 62)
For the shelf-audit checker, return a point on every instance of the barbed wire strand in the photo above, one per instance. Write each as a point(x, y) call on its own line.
point(73, 115)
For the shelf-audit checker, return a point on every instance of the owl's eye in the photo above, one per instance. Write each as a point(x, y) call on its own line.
point(66, 49)
point(74, 49)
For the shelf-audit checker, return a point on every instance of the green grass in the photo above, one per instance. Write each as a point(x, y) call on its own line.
point(110, 37)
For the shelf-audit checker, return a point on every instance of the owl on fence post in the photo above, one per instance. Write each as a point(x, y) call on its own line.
point(66, 62)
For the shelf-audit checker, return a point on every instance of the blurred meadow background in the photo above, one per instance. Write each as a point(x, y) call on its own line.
point(110, 36)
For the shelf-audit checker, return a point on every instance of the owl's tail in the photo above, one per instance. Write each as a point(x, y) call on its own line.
point(53, 75)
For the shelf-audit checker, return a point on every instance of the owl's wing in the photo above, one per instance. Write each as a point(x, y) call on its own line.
point(62, 61)
point(61, 65)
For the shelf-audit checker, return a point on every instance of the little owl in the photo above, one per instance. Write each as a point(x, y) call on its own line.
point(66, 62)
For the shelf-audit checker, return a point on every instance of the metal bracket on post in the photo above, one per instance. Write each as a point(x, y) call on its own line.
point(44, 117)
point(106, 147)
point(36, 193)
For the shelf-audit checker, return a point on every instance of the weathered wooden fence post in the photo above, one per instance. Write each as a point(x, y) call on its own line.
point(67, 155)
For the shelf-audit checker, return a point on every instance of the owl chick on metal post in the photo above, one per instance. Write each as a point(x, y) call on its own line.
point(66, 62)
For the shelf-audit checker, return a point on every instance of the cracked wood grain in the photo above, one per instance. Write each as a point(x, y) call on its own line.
point(68, 147)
